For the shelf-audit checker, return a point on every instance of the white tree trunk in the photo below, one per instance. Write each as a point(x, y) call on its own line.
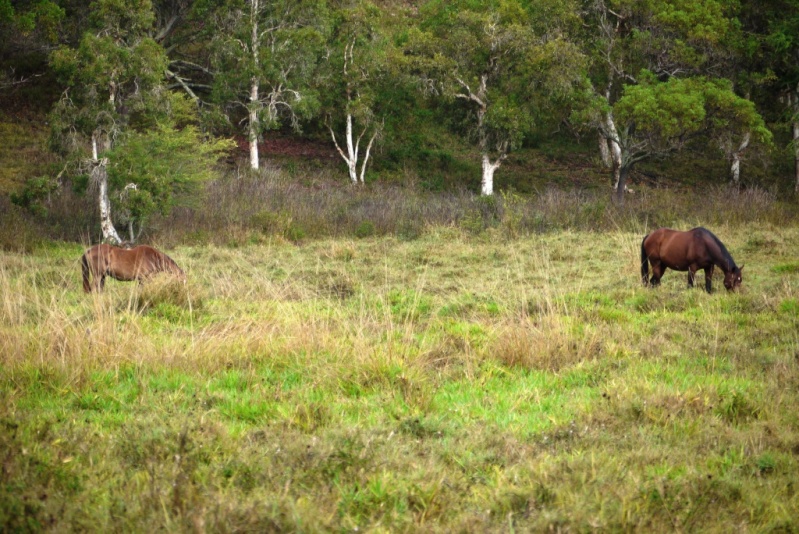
point(366, 154)
point(735, 166)
point(100, 175)
point(487, 184)
point(353, 151)
point(254, 87)
point(253, 132)
point(615, 148)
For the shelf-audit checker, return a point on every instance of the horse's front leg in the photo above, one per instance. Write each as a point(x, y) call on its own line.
point(691, 276)
point(97, 282)
point(709, 278)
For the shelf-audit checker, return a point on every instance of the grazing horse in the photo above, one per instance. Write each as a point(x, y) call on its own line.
point(687, 251)
point(137, 263)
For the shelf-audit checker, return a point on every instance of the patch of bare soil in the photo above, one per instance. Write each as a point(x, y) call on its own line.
point(290, 147)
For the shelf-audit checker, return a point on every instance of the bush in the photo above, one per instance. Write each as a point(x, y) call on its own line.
point(365, 229)
point(17, 232)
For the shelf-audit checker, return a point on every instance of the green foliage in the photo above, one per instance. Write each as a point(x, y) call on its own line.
point(665, 115)
point(289, 37)
point(365, 229)
point(167, 167)
point(34, 194)
point(42, 16)
point(295, 232)
point(702, 21)
point(489, 58)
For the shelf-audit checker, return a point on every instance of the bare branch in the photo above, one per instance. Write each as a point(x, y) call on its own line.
point(183, 84)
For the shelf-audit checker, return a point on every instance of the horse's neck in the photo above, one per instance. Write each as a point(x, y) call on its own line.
point(724, 261)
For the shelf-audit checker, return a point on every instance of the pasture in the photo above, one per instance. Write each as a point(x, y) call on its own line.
point(451, 382)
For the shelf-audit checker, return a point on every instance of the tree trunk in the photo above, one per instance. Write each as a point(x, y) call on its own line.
point(795, 101)
point(253, 126)
point(99, 175)
point(614, 149)
point(735, 166)
point(254, 87)
point(368, 151)
point(796, 153)
point(110, 234)
point(618, 192)
point(487, 184)
point(604, 150)
point(353, 151)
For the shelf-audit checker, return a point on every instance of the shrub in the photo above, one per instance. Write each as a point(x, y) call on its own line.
point(365, 229)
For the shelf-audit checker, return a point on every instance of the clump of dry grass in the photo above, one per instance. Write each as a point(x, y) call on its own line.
point(549, 344)
point(165, 289)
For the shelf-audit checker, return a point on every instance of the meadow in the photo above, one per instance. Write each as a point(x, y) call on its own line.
point(466, 377)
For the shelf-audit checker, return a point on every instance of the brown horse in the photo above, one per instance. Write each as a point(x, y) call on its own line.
point(687, 251)
point(137, 263)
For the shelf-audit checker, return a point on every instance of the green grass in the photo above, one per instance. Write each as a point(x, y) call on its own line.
point(455, 382)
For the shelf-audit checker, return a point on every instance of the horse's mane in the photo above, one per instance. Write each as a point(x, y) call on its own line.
point(167, 262)
point(725, 254)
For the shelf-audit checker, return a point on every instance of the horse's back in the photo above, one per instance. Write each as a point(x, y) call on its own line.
point(679, 249)
point(656, 241)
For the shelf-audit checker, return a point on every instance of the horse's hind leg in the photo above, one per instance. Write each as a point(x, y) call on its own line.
point(657, 274)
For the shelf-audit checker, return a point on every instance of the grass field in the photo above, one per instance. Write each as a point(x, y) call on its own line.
point(453, 382)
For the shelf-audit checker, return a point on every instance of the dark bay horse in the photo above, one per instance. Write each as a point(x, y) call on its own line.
point(687, 251)
point(137, 263)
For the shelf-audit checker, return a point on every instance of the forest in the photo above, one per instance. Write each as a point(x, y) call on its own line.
point(408, 235)
point(143, 100)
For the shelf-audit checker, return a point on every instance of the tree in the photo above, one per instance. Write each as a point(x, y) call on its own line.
point(160, 168)
point(626, 39)
point(32, 26)
point(775, 24)
point(657, 118)
point(113, 76)
point(115, 99)
point(354, 67)
point(503, 61)
point(264, 53)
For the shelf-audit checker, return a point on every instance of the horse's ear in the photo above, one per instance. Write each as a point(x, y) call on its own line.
point(741, 268)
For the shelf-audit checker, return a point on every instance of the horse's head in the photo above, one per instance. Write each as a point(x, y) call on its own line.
point(733, 278)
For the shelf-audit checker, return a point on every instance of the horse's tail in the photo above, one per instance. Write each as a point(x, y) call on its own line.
point(87, 288)
point(644, 263)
